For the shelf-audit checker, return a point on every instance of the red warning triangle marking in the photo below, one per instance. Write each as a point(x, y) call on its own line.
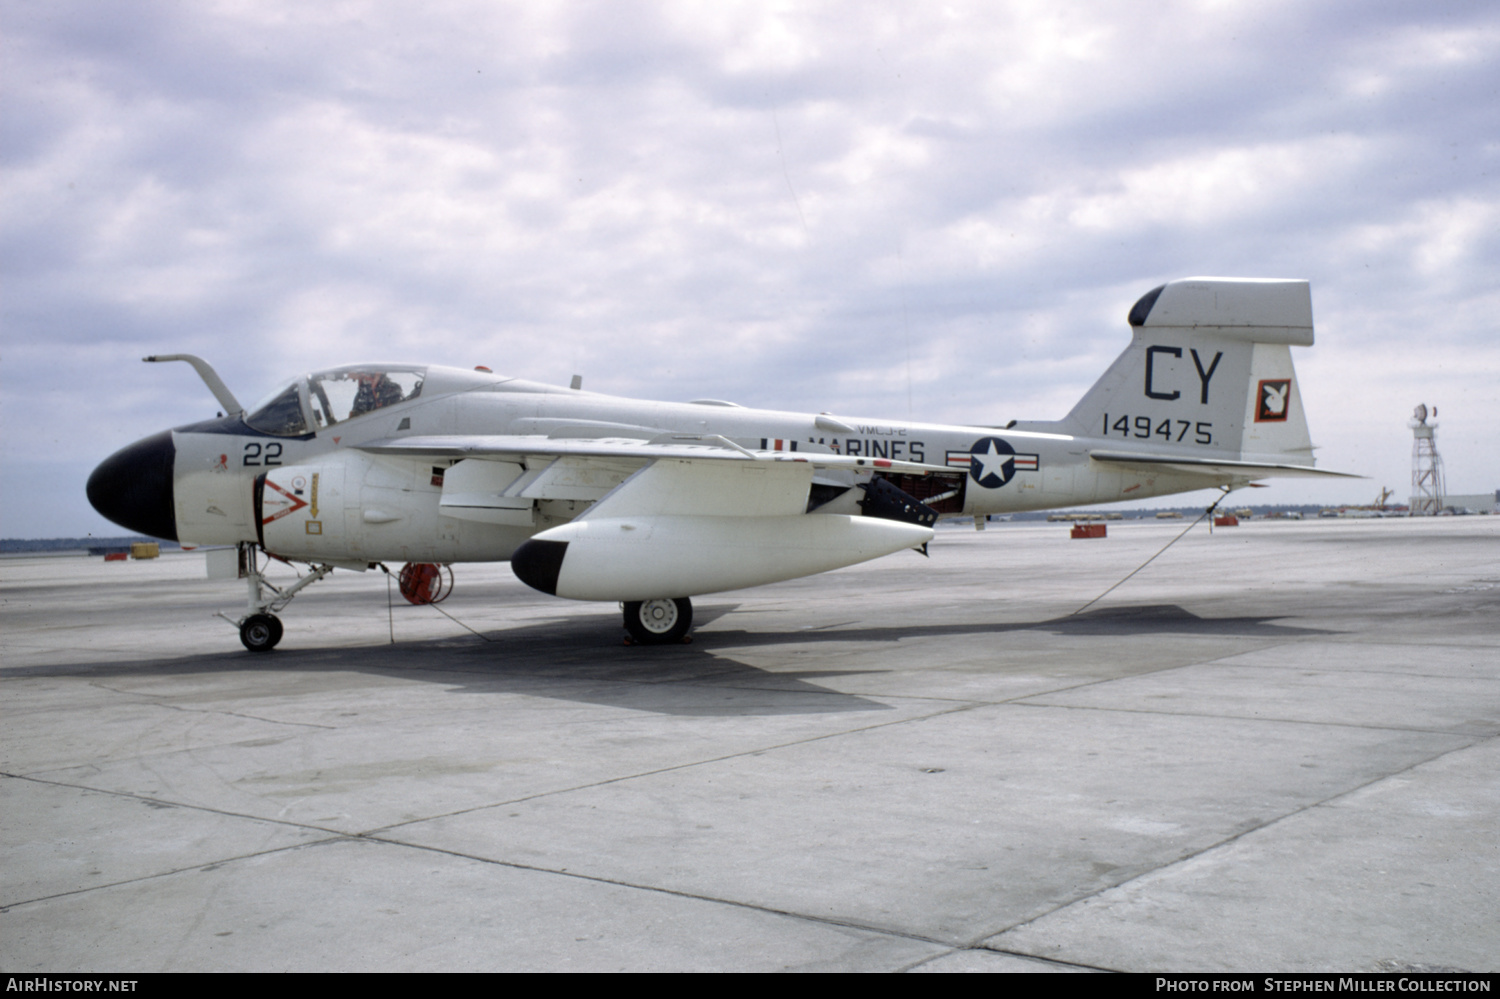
point(297, 503)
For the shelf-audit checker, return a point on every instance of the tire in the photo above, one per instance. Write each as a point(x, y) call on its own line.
point(260, 632)
point(665, 621)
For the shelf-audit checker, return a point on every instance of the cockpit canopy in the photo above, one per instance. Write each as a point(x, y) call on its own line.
point(315, 402)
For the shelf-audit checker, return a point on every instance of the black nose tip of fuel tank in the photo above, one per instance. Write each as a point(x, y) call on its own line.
point(538, 563)
point(133, 487)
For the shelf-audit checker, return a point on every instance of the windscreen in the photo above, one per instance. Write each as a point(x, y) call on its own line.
point(280, 413)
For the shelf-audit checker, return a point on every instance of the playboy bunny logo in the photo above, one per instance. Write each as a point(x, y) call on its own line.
point(1272, 401)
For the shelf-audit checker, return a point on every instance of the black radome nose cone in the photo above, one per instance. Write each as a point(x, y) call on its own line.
point(133, 487)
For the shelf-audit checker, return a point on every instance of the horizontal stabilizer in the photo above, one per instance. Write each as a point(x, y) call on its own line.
point(1215, 468)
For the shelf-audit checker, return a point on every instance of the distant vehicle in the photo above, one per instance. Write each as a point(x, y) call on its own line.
point(594, 497)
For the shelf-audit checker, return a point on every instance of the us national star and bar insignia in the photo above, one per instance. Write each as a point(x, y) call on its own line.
point(992, 462)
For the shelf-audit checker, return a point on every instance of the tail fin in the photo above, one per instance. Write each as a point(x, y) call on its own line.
point(1209, 371)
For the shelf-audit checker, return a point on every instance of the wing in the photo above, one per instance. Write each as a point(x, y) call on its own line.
point(673, 516)
point(500, 477)
point(684, 447)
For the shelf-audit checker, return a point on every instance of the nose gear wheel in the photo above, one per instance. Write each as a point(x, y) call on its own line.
point(260, 632)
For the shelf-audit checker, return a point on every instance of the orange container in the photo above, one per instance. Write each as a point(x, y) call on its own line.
point(1088, 530)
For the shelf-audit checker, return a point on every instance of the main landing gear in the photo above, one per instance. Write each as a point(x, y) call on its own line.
point(665, 621)
point(260, 629)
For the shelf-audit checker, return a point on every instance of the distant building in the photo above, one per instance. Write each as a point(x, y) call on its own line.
point(1476, 503)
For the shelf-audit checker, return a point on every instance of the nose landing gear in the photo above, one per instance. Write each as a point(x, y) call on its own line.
point(260, 629)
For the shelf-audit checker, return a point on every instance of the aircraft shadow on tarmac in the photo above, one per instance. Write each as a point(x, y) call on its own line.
point(580, 658)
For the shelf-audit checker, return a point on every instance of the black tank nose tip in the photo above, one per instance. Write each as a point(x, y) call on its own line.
point(133, 487)
point(538, 563)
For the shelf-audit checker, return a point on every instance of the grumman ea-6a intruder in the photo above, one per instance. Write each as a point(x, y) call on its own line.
point(595, 497)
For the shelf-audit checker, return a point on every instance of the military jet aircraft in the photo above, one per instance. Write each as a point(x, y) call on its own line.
point(595, 497)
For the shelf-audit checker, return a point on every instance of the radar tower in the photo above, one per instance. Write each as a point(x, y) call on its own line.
point(1426, 464)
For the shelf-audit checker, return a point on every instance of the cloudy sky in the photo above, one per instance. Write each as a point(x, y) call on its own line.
point(876, 209)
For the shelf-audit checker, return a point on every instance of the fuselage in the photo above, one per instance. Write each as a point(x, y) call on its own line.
point(197, 483)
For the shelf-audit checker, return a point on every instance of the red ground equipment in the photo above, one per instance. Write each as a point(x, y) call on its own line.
point(426, 583)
